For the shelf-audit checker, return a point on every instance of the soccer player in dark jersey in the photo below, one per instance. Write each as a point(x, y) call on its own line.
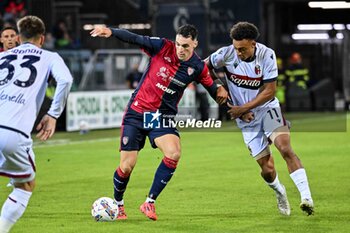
point(173, 66)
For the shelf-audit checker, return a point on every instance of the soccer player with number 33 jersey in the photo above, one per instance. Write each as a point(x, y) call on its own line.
point(24, 73)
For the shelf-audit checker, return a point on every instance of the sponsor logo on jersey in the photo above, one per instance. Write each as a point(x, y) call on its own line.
point(245, 81)
point(176, 81)
point(163, 73)
point(18, 99)
point(165, 89)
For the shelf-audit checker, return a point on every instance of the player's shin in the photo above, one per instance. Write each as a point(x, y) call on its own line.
point(300, 180)
point(120, 181)
point(13, 208)
point(162, 176)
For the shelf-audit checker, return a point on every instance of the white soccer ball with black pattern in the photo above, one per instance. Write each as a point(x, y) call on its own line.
point(104, 209)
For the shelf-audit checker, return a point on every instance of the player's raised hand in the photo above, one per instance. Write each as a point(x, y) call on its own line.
point(101, 31)
point(46, 127)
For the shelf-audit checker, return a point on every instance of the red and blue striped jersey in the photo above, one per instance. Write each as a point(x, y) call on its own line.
point(166, 77)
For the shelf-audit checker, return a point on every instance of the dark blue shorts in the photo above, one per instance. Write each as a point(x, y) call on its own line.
point(133, 132)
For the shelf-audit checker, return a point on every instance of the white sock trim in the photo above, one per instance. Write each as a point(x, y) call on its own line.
point(21, 196)
point(150, 200)
point(120, 202)
point(273, 183)
point(276, 185)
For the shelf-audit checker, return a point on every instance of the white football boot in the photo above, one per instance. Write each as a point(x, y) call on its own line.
point(282, 202)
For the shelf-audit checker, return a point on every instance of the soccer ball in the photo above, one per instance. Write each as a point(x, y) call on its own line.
point(104, 209)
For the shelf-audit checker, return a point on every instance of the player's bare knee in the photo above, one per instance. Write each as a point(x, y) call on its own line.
point(27, 186)
point(126, 168)
point(286, 151)
point(174, 155)
point(32, 185)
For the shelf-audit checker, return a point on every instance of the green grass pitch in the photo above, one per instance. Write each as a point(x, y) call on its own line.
point(216, 188)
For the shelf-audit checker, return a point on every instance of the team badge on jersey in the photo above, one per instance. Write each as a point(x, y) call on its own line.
point(190, 70)
point(257, 69)
point(125, 140)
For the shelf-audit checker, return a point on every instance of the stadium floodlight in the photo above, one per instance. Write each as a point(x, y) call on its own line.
point(314, 27)
point(339, 26)
point(89, 27)
point(340, 36)
point(135, 26)
point(310, 36)
point(330, 5)
point(321, 27)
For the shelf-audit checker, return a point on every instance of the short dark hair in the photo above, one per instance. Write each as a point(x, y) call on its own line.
point(244, 30)
point(30, 27)
point(8, 28)
point(187, 31)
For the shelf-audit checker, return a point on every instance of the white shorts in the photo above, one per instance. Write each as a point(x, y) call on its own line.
point(268, 123)
point(17, 159)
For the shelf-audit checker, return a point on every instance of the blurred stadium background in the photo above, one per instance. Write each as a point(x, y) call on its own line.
point(100, 66)
point(217, 188)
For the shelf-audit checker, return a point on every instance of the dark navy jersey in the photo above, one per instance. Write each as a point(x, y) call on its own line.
point(166, 77)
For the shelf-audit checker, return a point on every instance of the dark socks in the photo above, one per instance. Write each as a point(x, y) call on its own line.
point(120, 181)
point(162, 176)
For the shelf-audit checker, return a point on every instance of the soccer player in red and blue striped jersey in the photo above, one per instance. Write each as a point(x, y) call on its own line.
point(172, 67)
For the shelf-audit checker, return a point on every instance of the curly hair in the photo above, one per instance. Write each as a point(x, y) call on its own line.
point(244, 30)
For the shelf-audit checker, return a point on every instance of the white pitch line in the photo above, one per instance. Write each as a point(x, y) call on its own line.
point(65, 142)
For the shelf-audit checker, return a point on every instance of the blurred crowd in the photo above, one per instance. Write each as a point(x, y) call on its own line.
point(11, 11)
point(57, 37)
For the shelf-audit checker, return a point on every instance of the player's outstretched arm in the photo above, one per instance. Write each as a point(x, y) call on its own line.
point(221, 93)
point(46, 127)
point(101, 31)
